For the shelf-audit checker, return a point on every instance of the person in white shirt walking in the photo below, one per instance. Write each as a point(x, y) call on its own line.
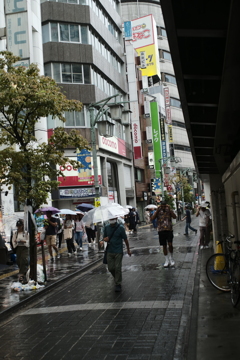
point(79, 230)
point(20, 241)
point(204, 216)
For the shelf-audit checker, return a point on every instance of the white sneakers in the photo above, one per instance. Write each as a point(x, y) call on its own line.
point(169, 261)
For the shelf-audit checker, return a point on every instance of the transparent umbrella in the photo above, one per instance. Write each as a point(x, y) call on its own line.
point(104, 213)
point(67, 212)
point(151, 206)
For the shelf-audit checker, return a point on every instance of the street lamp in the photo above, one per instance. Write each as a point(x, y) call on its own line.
point(164, 161)
point(97, 111)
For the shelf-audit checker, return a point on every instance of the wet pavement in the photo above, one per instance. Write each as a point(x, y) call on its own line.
point(160, 314)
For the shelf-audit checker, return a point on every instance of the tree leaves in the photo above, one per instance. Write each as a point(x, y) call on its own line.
point(26, 97)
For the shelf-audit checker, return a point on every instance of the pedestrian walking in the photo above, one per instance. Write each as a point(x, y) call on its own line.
point(114, 234)
point(50, 224)
point(188, 221)
point(134, 220)
point(20, 241)
point(154, 222)
point(68, 235)
point(91, 234)
point(164, 216)
point(179, 211)
point(59, 230)
point(79, 230)
point(204, 218)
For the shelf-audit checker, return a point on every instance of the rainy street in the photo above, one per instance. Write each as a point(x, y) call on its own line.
point(154, 317)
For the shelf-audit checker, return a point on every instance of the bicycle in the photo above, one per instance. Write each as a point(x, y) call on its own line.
point(235, 276)
point(219, 266)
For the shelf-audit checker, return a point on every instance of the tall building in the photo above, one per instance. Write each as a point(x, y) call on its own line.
point(130, 11)
point(83, 53)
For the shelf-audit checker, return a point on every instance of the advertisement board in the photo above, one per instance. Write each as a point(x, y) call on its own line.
point(17, 34)
point(144, 35)
point(112, 144)
point(78, 177)
point(156, 135)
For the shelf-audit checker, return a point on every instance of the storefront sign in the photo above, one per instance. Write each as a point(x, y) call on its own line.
point(112, 144)
point(136, 133)
point(151, 160)
point(13, 6)
point(81, 176)
point(82, 192)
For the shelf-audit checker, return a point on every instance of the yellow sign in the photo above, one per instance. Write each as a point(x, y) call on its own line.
point(152, 60)
point(170, 134)
point(97, 202)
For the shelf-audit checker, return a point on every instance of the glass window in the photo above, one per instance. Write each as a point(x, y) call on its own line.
point(163, 32)
point(54, 32)
point(167, 55)
point(79, 118)
point(69, 115)
point(84, 34)
point(87, 77)
point(170, 78)
point(45, 33)
point(72, 1)
point(66, 73)
point(64, 32)
point(82, 2)
point(77, 73)
point(74, 33)
point(47, 70)
point(175, 102)
point(56, 72)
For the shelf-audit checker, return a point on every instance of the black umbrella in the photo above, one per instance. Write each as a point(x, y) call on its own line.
point(85, 207)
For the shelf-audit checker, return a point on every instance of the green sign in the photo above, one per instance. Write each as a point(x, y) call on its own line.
point(156, 137)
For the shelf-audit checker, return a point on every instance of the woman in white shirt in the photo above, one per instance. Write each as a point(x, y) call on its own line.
point(20, 242)
point(79, 230)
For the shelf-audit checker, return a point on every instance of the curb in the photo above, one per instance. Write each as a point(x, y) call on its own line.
point(44, 290)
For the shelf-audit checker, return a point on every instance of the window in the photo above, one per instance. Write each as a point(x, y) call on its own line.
point(166, 55)
point(163, 32)
point(66, 73)
point(179, 124)
point(45, 33)
point(139, 175)
point(64, 32)
point(170, 78)
point(54, 32)
point(84, 35)
point(75, 118)
point(175, 103)
point(47, 70)
point(182, 148)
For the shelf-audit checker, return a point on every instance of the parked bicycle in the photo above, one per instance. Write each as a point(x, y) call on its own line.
point(223, 269)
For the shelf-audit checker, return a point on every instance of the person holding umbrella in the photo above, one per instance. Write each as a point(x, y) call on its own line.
point(114, 234)
point(68, 235)
point(50, 224)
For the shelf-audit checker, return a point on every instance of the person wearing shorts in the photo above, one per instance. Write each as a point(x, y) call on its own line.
point(51, 235)
point(164, 216)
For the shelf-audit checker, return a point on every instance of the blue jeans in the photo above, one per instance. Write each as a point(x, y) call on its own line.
point(78, 238)
point(188, 226)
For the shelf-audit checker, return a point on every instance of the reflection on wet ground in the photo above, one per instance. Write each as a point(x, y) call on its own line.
point(144, 243)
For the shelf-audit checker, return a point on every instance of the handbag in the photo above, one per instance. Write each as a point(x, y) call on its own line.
point(43, 235)
point(106, 250)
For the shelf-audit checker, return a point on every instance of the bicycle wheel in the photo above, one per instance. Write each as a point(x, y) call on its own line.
point(218, 272)
point(235, 286)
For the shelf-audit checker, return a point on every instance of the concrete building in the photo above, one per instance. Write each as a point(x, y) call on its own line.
point(83, 52)
point(132, 10)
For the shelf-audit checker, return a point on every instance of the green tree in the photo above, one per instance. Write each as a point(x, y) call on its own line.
point(26, 97)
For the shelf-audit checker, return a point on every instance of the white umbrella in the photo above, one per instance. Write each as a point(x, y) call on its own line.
point(104, 213)
point(66, 212)
point(151, 206)
point(128, 206)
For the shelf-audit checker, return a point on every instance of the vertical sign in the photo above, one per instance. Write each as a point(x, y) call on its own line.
point(144, 32)
point(167, 105)
point(136, 134)
point(17, 27)
point(128, 30)
point(156, 135)
point(163, 139)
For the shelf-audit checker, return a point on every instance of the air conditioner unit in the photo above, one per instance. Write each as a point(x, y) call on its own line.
point(160, 37)
point(162, 60)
